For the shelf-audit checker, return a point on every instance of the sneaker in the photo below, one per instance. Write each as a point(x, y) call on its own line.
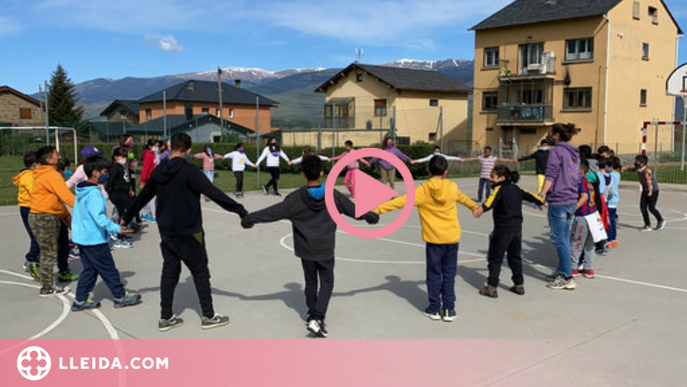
point(561, 283)
point(448, 315)
point(67, 276)
point(489, 291)
point(575, 273)
point(78, 306)
point(120, 244)
point(148, 218)
point(74, 254)
point(612, 244)
point(552, 276)
point(54, 291)
point(602, 252)
point(129, 299)
point(313, 326)
point(434, 316)
point(323, 330)
point(216, 321)
point(661, 225)
point(173, 322)
point(276, 193)
point(588, 273)
point(34, 271)
point(580, 267)
point(646, 228)
point(265, 191)
point(518, 289)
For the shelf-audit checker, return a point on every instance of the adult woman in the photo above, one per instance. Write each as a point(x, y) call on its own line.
point(387, 169)
point(561, 191)
point(272, 153)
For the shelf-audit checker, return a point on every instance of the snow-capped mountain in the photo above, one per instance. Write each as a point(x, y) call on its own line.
point(430, 64)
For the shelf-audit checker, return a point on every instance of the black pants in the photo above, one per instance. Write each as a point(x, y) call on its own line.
point(318, 301)
point(189, 249)
point(121, 201)
point(500, 243)
point(34, 253)
point(239, 181)
point(274, 172)
point(648, 204)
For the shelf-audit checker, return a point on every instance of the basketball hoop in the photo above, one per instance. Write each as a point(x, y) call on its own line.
point(676, 85)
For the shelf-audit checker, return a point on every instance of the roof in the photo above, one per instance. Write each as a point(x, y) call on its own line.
point(129, 104)
point(403, 79)
point(522, 12)
point(7, 89)
point(179, 123)
point(206, 91)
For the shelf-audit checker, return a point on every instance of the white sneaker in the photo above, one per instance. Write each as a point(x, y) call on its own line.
point(314, 327)
point(123, 244)
point(560, 283)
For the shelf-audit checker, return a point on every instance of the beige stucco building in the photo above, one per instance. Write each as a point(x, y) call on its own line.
point(366, 97)
point(18, 109)
point(602, 66)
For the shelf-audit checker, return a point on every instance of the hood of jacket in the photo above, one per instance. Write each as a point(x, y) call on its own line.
point(572, 150)
point(42, 170)
point(168, 168)
point(439, 190)
point(85, 188)
point(19, 176)
point(312, 203)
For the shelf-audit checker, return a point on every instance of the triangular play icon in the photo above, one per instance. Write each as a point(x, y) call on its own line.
point(369, 193)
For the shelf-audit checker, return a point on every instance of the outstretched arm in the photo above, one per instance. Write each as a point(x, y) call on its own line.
point(262, 156)
point(424, 159)
point(345, 206)
point(205, 187)
point(277, 212)
point(364, 162)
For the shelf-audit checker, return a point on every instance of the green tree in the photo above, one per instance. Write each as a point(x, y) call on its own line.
point(62, 99)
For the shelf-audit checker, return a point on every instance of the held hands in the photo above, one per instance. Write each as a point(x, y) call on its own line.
point(478, 212)
point(541, 207)
point(290, 163)
point(131, 193)
point(140, 186)
point(125, 231)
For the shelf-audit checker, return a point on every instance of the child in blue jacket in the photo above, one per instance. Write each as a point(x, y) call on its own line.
point(91, 229)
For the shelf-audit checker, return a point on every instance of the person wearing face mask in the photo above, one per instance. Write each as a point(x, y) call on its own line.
point(119, 189)
point(272, 153)
point(208, 158)
point(540, 157)
point(386, 168)
point(239, 160)
point(437, 152)
point(150, 161)
point(487, 162)
point(349, 180)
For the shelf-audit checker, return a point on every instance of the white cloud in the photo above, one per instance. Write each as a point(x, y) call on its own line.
point(8, 26)
point(166, 43)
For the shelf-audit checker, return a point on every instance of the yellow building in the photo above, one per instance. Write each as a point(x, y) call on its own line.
point(368, 97)
point(602, 65)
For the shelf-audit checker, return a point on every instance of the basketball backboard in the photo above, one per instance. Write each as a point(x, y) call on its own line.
point(677, 82)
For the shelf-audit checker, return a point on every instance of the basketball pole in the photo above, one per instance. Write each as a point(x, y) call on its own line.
point(684, 129)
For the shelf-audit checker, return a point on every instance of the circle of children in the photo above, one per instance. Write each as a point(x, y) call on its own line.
point(581, 191)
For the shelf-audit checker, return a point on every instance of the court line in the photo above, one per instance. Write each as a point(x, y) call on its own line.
point(60, 319)
point(657, 286)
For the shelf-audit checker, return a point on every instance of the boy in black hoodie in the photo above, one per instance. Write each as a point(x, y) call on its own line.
point(118, 188)
point(314, 234)
point(178, 185)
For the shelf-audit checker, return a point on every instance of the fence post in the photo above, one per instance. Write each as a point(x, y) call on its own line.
point(441, 127)
point(319, 138)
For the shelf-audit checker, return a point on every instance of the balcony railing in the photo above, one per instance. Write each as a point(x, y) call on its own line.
point(525, 113)
point(339, 122)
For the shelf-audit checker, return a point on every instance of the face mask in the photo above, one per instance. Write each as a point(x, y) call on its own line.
point(68, 173)
point(129, 143)
point(638, 165)
point(156, 149)
point(608, 170)
point(121, 161)
point(209, 151)
point(544, 148)
point(437, 153)
point(550, 140)
point(103, 178)
point(241, 151)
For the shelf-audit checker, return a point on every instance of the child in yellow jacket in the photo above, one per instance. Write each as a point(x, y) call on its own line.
point(24, 183)
point(436, 202)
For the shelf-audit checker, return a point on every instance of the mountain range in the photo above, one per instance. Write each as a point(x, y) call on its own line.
point(294, 89)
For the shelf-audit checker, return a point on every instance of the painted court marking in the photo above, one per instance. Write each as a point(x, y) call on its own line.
point(49, 328)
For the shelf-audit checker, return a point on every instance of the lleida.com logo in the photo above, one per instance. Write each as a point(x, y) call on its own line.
point(33, 363)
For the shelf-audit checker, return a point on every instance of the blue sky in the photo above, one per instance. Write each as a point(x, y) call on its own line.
point(145, 38)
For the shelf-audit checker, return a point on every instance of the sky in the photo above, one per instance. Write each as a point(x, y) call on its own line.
point(147, 38)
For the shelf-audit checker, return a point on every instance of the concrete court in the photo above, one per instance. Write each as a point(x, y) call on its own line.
point(624, 328)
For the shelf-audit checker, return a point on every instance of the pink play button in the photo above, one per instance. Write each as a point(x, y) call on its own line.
point(370, 193)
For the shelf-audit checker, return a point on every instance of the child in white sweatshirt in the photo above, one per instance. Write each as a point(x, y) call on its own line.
point(239, 160)
point(272, 153)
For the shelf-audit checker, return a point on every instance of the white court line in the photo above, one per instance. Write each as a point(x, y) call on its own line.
point(63, 316)
point(642, 283)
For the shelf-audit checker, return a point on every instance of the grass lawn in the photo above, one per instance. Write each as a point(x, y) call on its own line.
point(669, 174)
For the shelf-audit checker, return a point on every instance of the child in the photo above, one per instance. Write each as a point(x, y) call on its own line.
point(650, 193)
point(436, 202)
point(541, 157)
point(24, 183)
point(613, 200)
point(118, 188)
point(272, 153)
point(150, 160)
point(307, 152)
point(208, 161)
point(387, 170)
point(349, 180)
point(507, 235)
point(90, 229)
point(178, 185)
point(314, 235)
point(64, 167)
point(487, 162)
point(581, 240)
point(239, 160)
point(48, 220)
point(437, 152)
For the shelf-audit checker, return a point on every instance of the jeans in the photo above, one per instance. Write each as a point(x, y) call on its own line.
point(482, 183)
point(34, 253)
point(274, 173)
point(442, 265)
point(648, 204)
point(239, 181)
point(210, 175)
point(97, 260)
point(189, 249)
point(560, 220)
point(612, 224)
point(500, 243)
point(318, 300)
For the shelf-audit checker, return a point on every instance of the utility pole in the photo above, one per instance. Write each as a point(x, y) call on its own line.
point(47, 116)
point(219, 91)
point(441, 127)
point(164, 113)
point(257, 134)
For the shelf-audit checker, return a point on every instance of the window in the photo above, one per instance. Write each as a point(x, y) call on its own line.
point(380, 107)
point(642, 98)
point(403, 140)
point(579, 49)
point(205, 110)
point(577, 98)
point(490, 101)
point(231, 112)
point(653, 14)
point(217, 112)
point(433, 102)
point(491, 57)
point(359, 77)
point(645, 51)
point(432, 137)
point(530, 57)
point(635, 10)
point(149, 114)
point(24, 113)
point(122, 116)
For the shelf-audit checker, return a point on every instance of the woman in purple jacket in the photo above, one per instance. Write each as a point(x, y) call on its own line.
point(386, 168)
point(561, 191)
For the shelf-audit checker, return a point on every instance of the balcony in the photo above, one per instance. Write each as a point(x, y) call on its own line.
point(340, 122)
point(519, 114)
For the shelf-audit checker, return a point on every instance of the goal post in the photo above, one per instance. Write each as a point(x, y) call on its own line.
point(56, 130)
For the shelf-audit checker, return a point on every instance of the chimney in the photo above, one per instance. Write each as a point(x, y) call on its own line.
point(190, 86)
point(237, 83)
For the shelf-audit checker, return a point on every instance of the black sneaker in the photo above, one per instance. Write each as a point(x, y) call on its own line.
point(129, 299)
point(323, 330)
point(216, 321)
point(54, 291)
point(276, 193)
point(518, 289)
point(173, 322)
point(661, 225)
point(78, 306)
point(432, 315)
point(265, 191)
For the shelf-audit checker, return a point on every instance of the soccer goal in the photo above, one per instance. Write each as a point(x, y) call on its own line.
point(17, 138)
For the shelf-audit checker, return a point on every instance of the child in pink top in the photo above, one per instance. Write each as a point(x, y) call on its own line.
point(349, 180)
point(208, 161)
